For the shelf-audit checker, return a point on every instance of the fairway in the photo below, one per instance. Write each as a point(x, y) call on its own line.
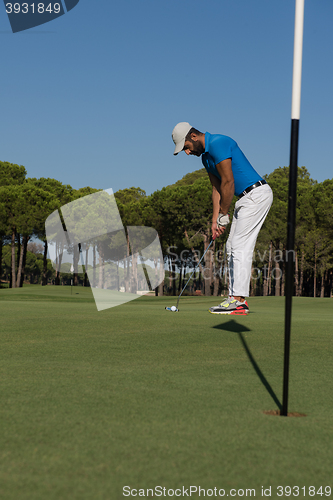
point(137, 396)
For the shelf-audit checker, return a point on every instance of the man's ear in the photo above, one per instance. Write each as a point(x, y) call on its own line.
point(194, 137)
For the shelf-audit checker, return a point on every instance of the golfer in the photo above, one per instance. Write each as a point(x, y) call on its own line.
point(230, 174)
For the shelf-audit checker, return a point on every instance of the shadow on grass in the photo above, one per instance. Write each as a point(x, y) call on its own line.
point(233, 326)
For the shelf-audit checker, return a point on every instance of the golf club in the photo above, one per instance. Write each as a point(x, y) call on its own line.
point(175, 308)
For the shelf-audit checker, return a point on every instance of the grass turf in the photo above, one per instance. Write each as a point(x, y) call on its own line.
point(138, 396)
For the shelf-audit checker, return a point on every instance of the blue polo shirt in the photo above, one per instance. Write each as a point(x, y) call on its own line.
point(220, 147)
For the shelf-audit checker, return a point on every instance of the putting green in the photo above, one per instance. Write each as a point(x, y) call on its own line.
point(141, 397)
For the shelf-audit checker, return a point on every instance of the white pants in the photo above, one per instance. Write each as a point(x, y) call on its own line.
point(249, 215)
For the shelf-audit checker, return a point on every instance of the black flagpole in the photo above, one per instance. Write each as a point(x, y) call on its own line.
point(295, 115)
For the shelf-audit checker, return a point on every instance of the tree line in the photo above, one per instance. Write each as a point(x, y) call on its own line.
point(181, 214)
point(25, 204)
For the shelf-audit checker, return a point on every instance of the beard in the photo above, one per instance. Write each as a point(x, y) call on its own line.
point(197, 148)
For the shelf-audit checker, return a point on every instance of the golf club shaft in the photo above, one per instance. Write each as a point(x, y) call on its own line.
point(194, 270)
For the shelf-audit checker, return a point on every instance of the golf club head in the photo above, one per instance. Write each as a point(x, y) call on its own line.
point(172, 309)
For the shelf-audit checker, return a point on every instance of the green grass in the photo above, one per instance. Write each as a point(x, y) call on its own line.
point(135, 395)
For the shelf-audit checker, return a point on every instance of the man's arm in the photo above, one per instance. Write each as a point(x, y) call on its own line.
point(223, 192)
point(227, 187)
point(216, 184)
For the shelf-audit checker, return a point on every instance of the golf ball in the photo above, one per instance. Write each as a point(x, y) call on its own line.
point(173, 308)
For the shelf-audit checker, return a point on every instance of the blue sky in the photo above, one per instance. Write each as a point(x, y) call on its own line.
point(91, 98)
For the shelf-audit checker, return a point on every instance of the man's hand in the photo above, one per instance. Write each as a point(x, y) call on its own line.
point(217, 231)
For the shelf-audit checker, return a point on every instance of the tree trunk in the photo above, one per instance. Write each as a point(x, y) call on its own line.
point(26, 241)
point(156, 289)
point(277, 279)
point(283, 276)
point(170, 274)
point(253, 283)
point(158, 275)
point(22, 258)
point(199, 281)
point(18, 237)
point(302, 274)
point(173, 266)
point(126, 275)
point(270, 265)
point(76, 264)
point(296, 274)
point(85, 283)
point(134, 280)
point(265, 281)
point(184, 275)
point(118, 278)
point(127, 267)
point(207, 271)
point(100, 274)
point(59, 261)
point(161, 289)
point(94, 266)
point(315, 273)
point(161, 285)
point(180, 277)
point(1, 245)
point(13, 275)
point(322, 286)
point(44, 278)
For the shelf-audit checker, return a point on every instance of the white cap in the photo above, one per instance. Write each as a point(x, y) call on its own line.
point(178, 135)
